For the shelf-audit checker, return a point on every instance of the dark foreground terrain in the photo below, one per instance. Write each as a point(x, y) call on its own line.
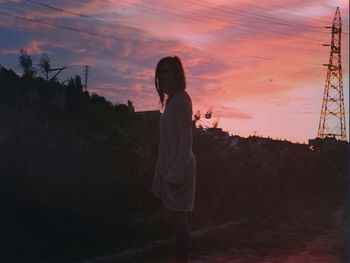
point(313, 231)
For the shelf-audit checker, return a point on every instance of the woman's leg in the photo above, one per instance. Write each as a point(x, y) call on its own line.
point(182, 236)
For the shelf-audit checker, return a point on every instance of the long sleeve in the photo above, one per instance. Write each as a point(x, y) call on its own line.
point(183, 117)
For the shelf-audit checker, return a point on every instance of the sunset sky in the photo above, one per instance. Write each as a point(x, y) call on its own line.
point(257, 64)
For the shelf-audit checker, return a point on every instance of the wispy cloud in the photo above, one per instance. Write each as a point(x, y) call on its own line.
point(265, 54)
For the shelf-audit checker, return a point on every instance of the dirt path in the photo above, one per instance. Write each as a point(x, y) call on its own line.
point(312, 237)
point(291, 235)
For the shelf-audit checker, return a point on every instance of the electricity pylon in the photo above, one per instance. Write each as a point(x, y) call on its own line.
point(332, 119)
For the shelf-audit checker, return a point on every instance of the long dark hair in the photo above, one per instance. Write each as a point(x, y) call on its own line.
point(180, 80)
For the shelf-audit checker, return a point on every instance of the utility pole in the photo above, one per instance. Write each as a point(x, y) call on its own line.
point(332, 117)
point(86, 76)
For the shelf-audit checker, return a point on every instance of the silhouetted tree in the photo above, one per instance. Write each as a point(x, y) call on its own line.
point(75, 84)
point(197, 116)
point(208, 113)
point(8, 85)
point(44, 65)
point(131, 107)
point(74, 90)
point(26, 62)
point(121, 108)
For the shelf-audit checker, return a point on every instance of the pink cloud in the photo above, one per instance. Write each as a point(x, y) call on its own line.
point(10, 52)
point(235, 53)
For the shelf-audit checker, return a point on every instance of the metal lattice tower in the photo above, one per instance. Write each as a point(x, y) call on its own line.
point(332, 119)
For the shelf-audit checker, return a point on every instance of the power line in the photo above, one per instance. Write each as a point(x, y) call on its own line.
point(223, 48)
point(196, 17)
point(285, 8)
point(86, 16)
point(79, 14)
point(93, 34)
point(119, 39)
point(266, 18)
point(241, 13)
point(58, 9)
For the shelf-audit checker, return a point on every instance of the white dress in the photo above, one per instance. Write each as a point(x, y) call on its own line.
point(176, 162)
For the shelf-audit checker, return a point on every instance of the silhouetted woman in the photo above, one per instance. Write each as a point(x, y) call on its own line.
point(175, 174)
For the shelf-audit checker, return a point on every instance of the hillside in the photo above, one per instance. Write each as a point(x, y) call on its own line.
point(76, 173)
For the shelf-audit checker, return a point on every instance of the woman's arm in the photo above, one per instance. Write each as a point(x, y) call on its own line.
point(183, 116)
